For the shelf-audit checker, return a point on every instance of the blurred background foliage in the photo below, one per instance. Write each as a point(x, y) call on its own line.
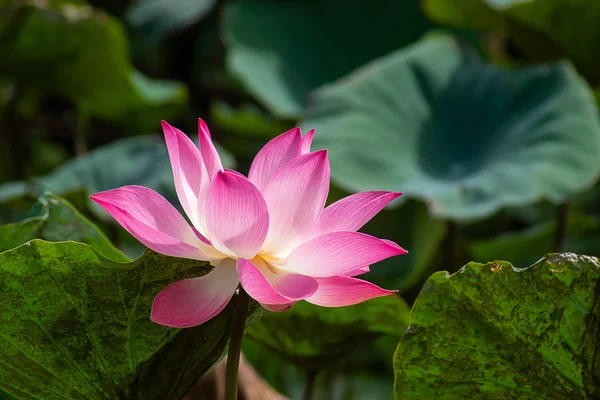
point(483, 112)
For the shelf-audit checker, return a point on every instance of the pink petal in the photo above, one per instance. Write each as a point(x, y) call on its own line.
point(274, 155)
point(295, 196)
point(192, 302)
point(236, 215)
point(351, 213)
point(209, 152)
point(340, 291)
point(307, 141)
point(152, 220)
point(189, 172)
point(338, 253)
point(274, 290)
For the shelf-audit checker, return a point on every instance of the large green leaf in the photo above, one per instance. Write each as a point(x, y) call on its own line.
point(55, 221)
point(139, 160)
point(314, 337)
point(75, 325)
point(495, 332)
point(437, 123)
point(161, 17)
point(282, 50)
point(542, 29)
point(77, 52)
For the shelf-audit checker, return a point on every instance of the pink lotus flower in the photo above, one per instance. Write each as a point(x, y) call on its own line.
point(268, 231)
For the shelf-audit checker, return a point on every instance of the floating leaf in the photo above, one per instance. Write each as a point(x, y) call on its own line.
point(57, 221)
point(313, 336)
point(321, 41)
point(75, 51)
point(542, 29)
point(492, 331)
point(437, 123)
point(75, 325)
point(161, 17)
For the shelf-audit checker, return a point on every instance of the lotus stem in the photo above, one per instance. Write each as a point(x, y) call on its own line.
point(235, 344)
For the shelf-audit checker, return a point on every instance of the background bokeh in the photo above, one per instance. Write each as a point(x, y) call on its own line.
point(483, 112)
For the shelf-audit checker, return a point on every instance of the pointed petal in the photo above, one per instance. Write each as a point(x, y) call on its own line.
point(236, 215)
point(351, 213)
point(274, 290)
point(192, 302)
point(274, 155)
point(338, 253)
point(340, 291)
point(307, 141)
point(189, 173)
point(152, 220)
point(295, 197)
point(209, 152)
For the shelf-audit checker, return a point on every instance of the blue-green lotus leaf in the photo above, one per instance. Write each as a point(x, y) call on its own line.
point(437, 123)
point(281, 50)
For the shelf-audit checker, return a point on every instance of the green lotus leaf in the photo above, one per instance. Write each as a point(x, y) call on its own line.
point(282, 50)
point(75, 325)
point(496, 332)
point(55, 221)
point(439, 124)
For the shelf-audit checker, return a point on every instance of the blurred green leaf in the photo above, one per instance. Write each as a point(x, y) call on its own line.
point(57, 221)
point(12, 190)
point(158, 18)
point(437, 123)
point(282, 50)
point(141, 160)
point(495, 332)
point(15, 201)
point(313, 336)
point(477, 14)
point(80, 53)
point(543, 29)
point(76, 325)
point(525, 247)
